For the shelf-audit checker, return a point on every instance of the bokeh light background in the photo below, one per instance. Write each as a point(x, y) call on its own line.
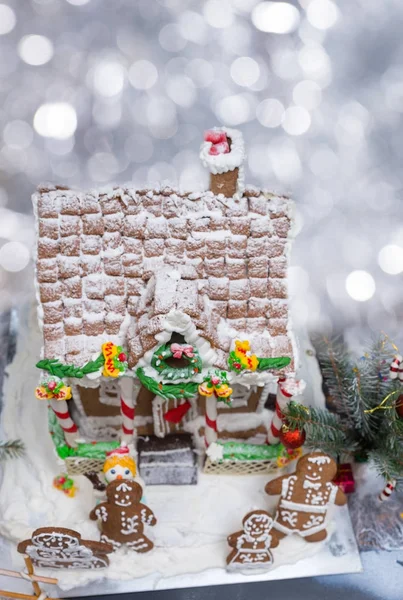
point(98, 91)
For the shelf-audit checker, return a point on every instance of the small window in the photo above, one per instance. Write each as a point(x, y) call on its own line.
point(109, 392)
point(240, 395)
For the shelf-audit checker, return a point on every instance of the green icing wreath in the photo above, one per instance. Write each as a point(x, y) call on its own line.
point(168, 391)
point(188, 353)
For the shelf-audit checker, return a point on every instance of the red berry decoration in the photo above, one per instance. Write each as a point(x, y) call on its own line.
point(291, 439)
point(399, 406)
point(215, 137)
point(122, 357)
point(52, 385)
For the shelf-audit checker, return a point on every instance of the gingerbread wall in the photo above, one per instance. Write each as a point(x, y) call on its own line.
point(93, 407)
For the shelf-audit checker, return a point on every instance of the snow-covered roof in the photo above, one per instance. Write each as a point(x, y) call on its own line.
point(112, 264)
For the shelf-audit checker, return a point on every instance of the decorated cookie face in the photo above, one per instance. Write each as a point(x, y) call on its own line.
point(317, 468)
point(258, 524)
point(118, 472)
point(123, 493)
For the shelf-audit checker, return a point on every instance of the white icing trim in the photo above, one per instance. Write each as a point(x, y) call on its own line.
point(320, 460)
point(308, 508)
point(148, 452)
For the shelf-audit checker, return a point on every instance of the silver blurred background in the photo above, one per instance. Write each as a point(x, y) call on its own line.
point(101, 91)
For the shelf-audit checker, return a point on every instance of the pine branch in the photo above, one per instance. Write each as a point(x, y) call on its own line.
point(338, 375)
point(388, 462)
point(374, 385)
point(324, 430)
point(11, 449)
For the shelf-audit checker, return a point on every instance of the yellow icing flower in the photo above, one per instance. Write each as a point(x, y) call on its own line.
point(50, 392)
point(248, 361)
point(215, 386)
point(224, 391)
point(241, 348)
point(115, 360)
point(110, 350)
point(109, 369)
point(205, 390)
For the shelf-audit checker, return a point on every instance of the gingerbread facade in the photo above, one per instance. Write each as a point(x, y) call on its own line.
point(153, 270)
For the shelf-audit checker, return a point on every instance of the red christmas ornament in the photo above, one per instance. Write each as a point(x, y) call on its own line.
point(291, 439)
point(122, 357)
point(399, 406)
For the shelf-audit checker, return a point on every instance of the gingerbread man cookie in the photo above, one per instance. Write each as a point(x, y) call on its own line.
point(123, 517)
point(306, 497)
point(251, 547)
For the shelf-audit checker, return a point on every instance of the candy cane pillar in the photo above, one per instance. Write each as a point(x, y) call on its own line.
point(128, 393)
point(286, 389)
point(387, 490)
point(210, 430)
point(396, 369)
point(70, 429)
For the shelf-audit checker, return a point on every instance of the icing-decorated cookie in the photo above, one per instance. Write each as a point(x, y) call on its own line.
point(122, 517)
point(306, 497)
point(251, 546)
point(60, 548)
point(119, 464)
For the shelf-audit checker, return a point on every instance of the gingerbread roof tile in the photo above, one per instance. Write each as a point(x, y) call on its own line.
point(113, 264)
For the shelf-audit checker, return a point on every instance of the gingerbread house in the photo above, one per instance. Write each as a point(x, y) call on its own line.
point(159, 306)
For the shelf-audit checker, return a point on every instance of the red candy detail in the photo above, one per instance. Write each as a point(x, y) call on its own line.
point(221, 148)
point(52, 385)
point(215, 137)
point(122, 357)
point(219, 142)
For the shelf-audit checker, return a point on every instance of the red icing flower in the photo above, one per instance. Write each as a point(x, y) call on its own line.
point(219, 142)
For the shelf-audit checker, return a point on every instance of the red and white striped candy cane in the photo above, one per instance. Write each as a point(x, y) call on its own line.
point(210, 430)
point(396, 368)
point(387, 490)
point(286, 389)
point(128, 394)
point(70, 429)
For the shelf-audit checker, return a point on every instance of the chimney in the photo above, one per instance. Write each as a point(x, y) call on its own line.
point(223, 153)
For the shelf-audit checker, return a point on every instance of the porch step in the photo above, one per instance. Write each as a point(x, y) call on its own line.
point(167, 461)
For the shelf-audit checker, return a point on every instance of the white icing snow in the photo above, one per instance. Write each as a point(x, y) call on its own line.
point(215, 452)
point(193, 521)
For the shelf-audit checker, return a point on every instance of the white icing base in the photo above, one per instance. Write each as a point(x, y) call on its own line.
point(193, 521)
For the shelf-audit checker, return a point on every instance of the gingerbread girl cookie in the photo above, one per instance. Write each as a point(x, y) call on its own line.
point(306, 497)
point(123, 517)
point(251, 547)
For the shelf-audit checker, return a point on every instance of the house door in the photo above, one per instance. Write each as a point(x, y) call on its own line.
point(170, 416)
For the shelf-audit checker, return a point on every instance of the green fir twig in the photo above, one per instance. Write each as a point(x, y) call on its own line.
point(11, 449)
point(324, 430)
